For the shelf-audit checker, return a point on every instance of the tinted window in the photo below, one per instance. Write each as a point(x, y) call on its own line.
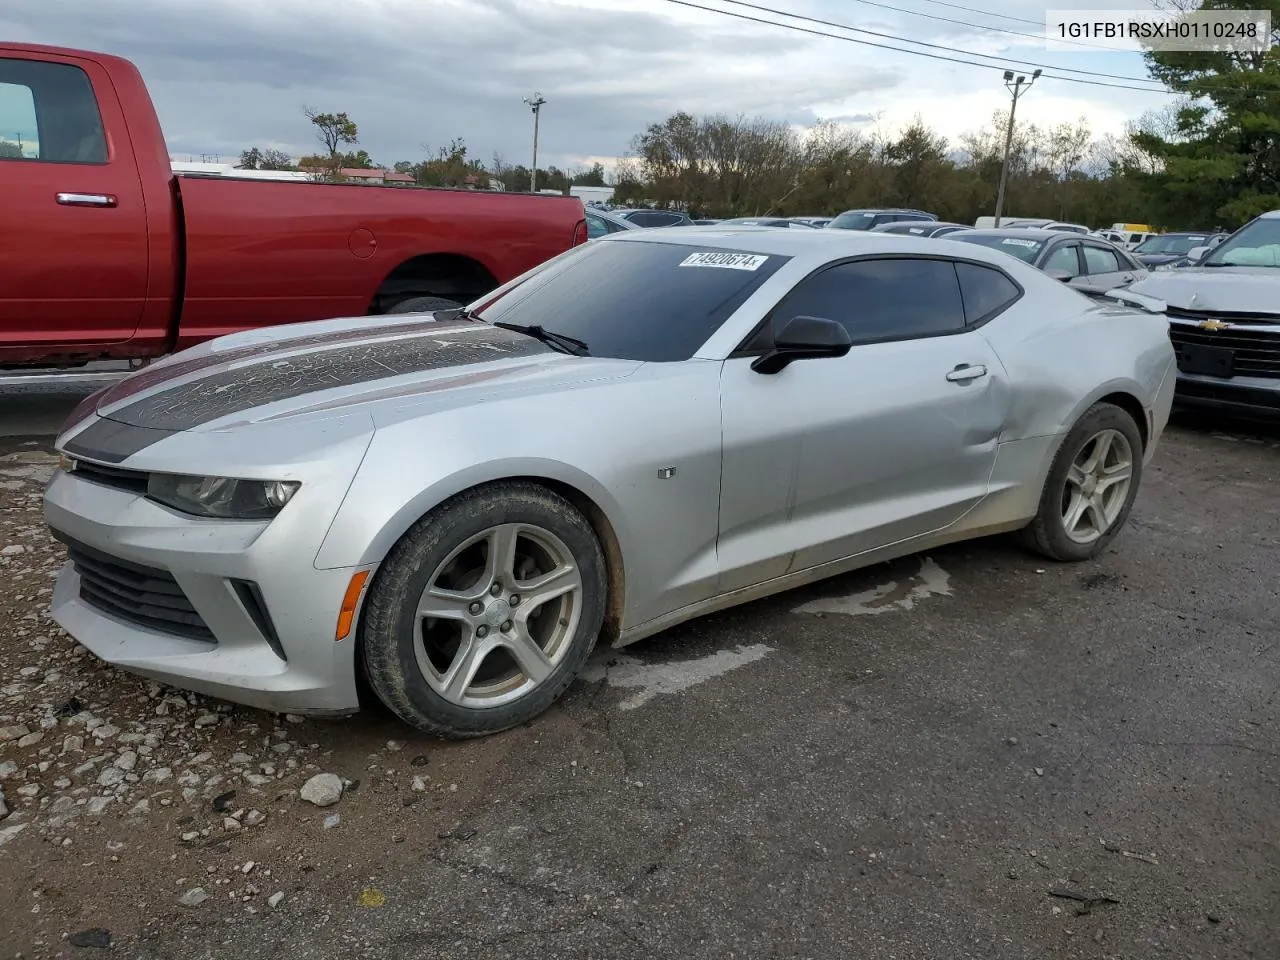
point(882, 299)
point(48, 112)
point(1064, 258)
point(853, 220)
point(596, 227)
point(1099, 260)
point(985, 291)
point(636, 301)
point(1021, 247)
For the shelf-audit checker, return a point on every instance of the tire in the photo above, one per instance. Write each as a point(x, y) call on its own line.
point(417, 666)
point(1048, 533)
point(424, 305)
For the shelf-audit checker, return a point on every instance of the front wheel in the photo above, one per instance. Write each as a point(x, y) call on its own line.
point(424, 305)
point(1090, 488)
point(485, 611)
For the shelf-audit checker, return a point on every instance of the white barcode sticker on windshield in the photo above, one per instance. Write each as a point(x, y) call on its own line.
point(725, 261)
point(1010, 242)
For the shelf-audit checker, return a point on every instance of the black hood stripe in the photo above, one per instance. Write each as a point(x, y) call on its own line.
point(110, 442)
point(153, 376)
point(270, 380)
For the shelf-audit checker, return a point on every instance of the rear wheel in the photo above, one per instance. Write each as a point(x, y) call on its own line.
point(1090, 488)
point(424, 305)
point(482, 615)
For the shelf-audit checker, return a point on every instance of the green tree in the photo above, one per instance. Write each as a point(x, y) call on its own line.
point(257, 159)
point(10, 150)
point(333, 130)
point(1221, 162)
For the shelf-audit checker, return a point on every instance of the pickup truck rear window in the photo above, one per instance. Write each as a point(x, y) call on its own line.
point(48, 112)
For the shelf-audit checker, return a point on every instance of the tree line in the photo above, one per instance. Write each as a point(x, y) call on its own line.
point(1211, 158)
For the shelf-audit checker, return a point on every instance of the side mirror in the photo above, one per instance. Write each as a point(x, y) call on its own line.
point(803, 338)
point(1060, 275)
point(1196, 254)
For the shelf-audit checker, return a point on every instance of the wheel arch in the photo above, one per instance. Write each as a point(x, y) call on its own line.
point(452, 276)
point(585, 494)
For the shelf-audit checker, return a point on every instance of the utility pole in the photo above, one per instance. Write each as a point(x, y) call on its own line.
point(1017, 87)
point(535, 104)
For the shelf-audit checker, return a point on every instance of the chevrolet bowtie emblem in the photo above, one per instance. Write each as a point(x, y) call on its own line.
point(1212, 325)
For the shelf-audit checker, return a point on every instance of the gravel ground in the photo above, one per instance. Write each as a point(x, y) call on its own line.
point(971, 754)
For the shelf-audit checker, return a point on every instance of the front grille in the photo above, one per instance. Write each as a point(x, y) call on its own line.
point(1253, 353)
point(129, 591)
point(133, 481)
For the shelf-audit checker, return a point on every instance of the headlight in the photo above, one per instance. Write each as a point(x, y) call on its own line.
point(1166, 266)
point(222, 497)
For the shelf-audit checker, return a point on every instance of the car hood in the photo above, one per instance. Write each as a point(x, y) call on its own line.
point(1216, 289)
point(1156, 259)
point(330, 368)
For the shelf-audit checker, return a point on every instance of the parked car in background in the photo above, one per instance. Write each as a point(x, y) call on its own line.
point(867, 219)
point(780, 222)
point(118, 257)
point(288, 517)
point(816, 222)
point(655, 218)
point(1224, 320)
point(1068, 227)
point(1126, 239)
point(920, 228)
point(1089, 264)
point(705, 223)
point(601, 223)
point(1168, 251)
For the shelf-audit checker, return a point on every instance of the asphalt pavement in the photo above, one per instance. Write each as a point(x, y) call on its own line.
point(975, 754)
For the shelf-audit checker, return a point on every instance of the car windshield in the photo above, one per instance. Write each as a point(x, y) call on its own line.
point(635, 300)
point(1171, 244)
point(1255, 245)
point(1024, 248)
point(853, 220)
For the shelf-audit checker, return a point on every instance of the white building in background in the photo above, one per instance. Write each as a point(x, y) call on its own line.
point(592, 194)
point(230, 170)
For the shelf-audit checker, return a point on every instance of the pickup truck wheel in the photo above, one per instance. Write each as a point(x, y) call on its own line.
point(1090, 488)
point(424, 305)
point(485, 611)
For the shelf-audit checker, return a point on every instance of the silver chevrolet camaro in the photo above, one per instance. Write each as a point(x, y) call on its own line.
point(448, 510)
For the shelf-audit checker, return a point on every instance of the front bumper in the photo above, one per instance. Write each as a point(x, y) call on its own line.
point(234, 610)
point(1247, 396)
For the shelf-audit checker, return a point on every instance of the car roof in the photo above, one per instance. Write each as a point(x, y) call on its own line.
point(811, 246)
point(885, 210)
point(1024, 233)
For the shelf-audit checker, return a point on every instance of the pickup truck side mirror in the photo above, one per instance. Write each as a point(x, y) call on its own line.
point(1062, 275)
point(1196, 254)
point(803, 338)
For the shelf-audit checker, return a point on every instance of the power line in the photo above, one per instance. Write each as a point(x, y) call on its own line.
point(1003, 61)
point(985, 13)
point(983, 26)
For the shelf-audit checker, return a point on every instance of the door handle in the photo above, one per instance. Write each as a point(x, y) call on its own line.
point(86, 200)
point(966, 372)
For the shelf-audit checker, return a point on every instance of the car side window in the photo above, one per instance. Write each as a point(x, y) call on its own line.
point(1064, 258)
point(48, 113)
point(985, 291)
point(596, 227)
point(882, 299)
point(1100, 260)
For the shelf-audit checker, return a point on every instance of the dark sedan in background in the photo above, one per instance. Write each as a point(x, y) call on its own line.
point(868, 219)
point(1169, 250)
point(1089, 264)
point(655, 218)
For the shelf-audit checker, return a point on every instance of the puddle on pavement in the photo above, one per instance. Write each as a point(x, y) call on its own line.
point(930, 581)
point(652, 679)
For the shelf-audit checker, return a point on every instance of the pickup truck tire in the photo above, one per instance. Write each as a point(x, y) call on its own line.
point(1090, 488)
point(484, 612)
point(425, 305)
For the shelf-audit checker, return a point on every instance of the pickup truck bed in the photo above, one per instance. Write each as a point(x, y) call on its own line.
point(118, 257)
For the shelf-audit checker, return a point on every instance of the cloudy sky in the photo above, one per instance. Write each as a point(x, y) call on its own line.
point(227, 74)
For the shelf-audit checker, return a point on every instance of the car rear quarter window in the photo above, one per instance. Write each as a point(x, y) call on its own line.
point(637, 300)
point(882, 299)
point(48, 113)
point(985, 291)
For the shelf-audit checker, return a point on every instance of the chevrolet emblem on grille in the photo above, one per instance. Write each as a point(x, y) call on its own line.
point(1212, 325)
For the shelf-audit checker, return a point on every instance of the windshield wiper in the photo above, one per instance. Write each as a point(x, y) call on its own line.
point(565, 344)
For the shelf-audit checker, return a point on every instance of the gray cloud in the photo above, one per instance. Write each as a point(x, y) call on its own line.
point(229, 75)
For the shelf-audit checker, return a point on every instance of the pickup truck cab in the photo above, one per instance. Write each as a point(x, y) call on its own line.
point(110, 254)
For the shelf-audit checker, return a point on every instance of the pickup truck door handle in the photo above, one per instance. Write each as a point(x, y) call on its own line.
point(966, 372)
point(86, 200)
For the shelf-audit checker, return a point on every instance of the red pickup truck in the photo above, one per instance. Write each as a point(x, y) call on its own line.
point(106, 253)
